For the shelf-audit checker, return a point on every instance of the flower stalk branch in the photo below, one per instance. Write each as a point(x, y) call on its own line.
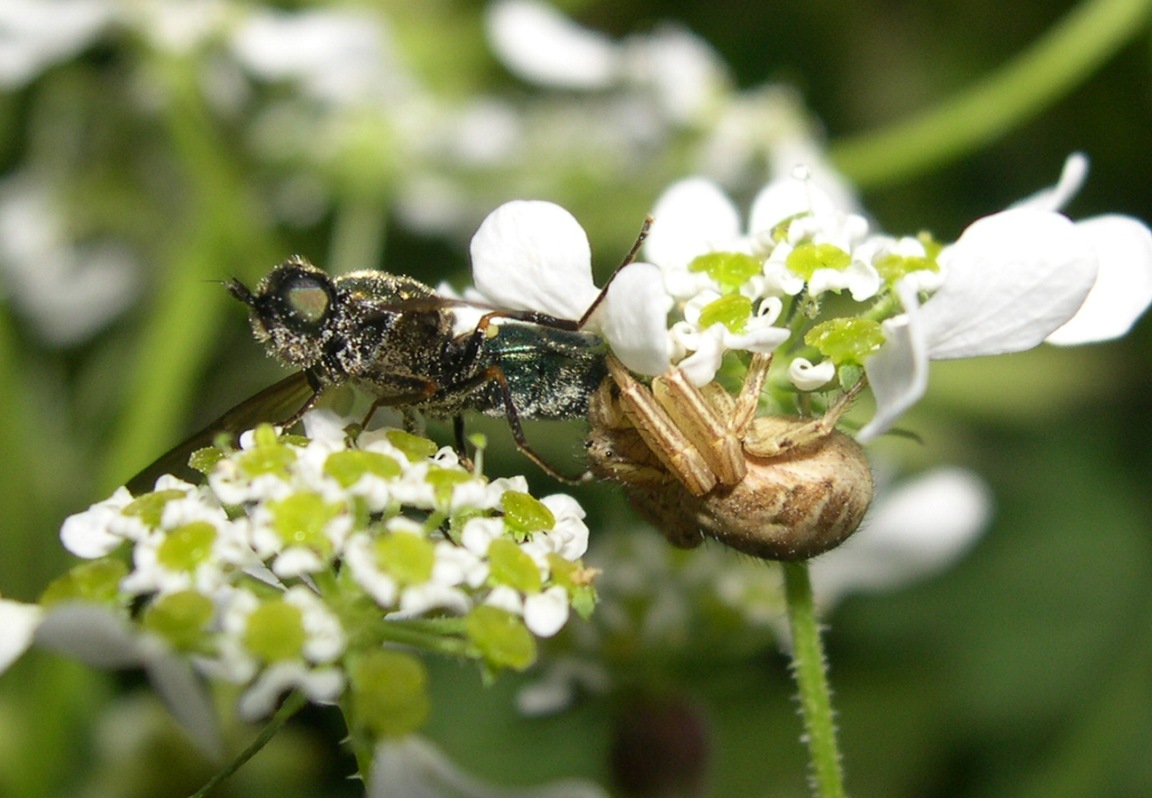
point(809, 667)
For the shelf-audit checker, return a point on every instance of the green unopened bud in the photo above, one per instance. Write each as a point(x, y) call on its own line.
point(268, 456)
point(894, 267)
point(729, 269)
point(388, 693)
point(301, 518)
point(846, 340)
point(501, 638)
point(275, 631)
point(187, 546)
point(96, 582)
point(414, 447)
point(349, 465)
point(806, 258)
point(407, 558)
point(149, 508)
point(731, 310)
point(443, 480)
point(180, 618)
point(524, 514)
point(511, 566)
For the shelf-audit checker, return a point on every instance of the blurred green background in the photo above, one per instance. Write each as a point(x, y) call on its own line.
point(1026, 670)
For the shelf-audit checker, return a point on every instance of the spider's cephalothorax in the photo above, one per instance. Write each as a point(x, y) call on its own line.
point(696, 462)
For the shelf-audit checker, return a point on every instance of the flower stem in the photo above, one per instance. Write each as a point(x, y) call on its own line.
point(292, 704)
point(810, 669)
point(1019, 90)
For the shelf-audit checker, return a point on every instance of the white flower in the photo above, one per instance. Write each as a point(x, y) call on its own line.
point(69, 289)
point(337, 55)
point(34, 34)
point(534, 256)
point(412, 766)
point(18, 623)
point(1010, 282)
point(676, 68)
point(905, 536)
point(546, 613)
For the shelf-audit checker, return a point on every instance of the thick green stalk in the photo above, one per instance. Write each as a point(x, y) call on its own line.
point(1054, 65)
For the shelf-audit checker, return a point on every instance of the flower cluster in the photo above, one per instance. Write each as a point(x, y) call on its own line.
point(304, 563)
point(1011, 281)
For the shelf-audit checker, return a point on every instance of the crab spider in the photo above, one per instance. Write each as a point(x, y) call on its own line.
point(697, 462)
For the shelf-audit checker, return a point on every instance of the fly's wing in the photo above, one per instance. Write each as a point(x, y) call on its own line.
point(273, 405)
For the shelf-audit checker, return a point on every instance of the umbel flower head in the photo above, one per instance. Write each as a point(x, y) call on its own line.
point(1010, 282)
point(319, 564)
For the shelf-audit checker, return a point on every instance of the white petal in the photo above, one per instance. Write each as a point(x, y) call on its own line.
point(532, 255)
point(414, 768)
point(809, 377)
point(92, 634)
point(1072, 177)
point(633, 318)
point(1123, 288)
point(701, 366)
point(915, 530)
point(543, 46)
point(691, 217)
point(784, 198)
point(1010, 281)
point(898, 373)
point(18, 623)
point(186, 697)
point(546, 613)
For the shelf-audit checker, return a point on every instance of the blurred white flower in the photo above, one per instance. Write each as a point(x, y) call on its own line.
point(35, 34)
point(912, 531)
point(413, 767)
point(69, 290)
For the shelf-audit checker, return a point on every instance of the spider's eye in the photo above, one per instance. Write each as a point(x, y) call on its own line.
point(307, 299)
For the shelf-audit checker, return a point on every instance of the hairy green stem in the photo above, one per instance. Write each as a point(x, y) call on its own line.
point(810, 669)
point(1023, 87)
point(292, 704)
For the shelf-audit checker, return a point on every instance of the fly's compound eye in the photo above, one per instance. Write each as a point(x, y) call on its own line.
point(307, 300)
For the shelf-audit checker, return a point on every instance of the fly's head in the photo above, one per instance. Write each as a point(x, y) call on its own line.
point(294, 311)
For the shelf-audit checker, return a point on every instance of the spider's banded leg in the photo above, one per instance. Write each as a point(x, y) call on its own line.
point(662, 435)
point(709, 430)
point(765, 444)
